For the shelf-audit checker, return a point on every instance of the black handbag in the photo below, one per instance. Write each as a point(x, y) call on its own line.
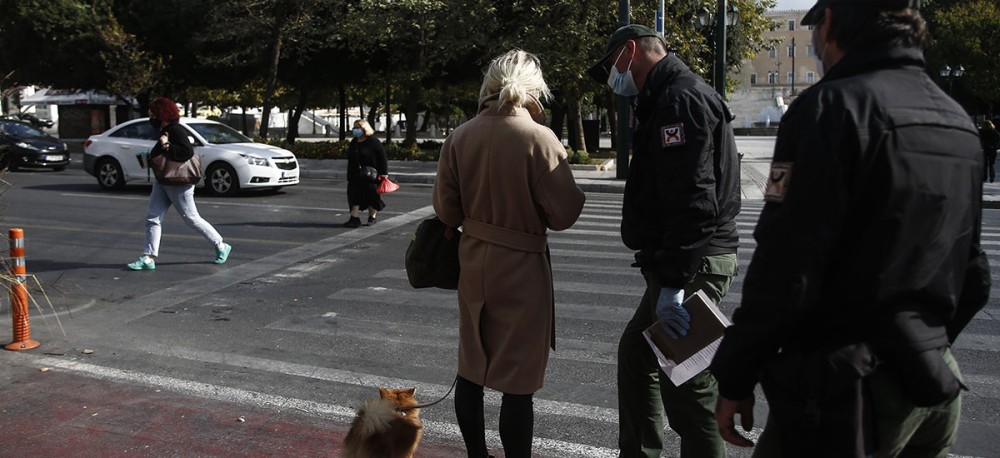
point(173, 172)
point(431, 260)
point(369, 173)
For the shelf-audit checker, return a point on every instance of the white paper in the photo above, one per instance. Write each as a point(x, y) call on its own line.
point(698, 362)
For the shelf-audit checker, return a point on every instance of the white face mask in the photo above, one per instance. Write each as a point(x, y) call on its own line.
point(819, 61)
point(622, 83)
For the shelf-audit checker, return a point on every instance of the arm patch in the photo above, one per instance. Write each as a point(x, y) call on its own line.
point(778, 181)
point(672, 135)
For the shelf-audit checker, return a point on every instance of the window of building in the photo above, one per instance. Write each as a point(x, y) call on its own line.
point(810, 51)
point(790, 78)
point(810, 77)
point(791, 25)
point(775, 25)
point(791, 51)
point(753, 78)
point(772, 78)
point(772, 53)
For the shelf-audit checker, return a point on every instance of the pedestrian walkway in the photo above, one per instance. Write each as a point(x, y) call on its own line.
point(593, 178)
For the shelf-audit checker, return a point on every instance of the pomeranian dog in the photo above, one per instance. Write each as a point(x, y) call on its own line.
point(384, 427)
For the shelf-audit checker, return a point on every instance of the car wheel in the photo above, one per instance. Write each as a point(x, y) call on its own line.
point(4, 159)
point(109, 174)
point(221, 180)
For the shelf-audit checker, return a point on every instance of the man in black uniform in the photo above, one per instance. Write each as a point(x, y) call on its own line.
point(681, 200)
point(868, 262)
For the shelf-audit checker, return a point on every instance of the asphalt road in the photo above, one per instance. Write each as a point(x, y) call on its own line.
point(308, 317)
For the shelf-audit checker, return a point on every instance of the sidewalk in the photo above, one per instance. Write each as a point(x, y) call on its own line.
point(590, 178)
point(57, 413)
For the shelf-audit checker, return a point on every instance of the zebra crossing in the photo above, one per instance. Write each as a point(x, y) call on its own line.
point(377, 331)
point(597, 291)
point(594, 282)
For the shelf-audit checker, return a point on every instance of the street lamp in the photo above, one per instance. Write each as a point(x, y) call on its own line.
point(724, 17)
point(950, 74)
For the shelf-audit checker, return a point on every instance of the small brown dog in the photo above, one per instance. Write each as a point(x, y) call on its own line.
point(383, 428)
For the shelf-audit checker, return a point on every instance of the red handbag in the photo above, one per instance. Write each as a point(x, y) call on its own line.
point(386, 186)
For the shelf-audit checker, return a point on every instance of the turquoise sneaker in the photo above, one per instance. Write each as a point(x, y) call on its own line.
point(222, 254)
point(142, 264)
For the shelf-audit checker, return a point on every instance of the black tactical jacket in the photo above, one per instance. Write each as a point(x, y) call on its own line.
point(683, 190)
point(870, 231)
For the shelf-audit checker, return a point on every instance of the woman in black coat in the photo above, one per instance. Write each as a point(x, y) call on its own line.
point(365, 152)
point(990, 140)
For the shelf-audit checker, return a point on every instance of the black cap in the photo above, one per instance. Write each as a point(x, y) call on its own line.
point(600, 70)
point(815, 14)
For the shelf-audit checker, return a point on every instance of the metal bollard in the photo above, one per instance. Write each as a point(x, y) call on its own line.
point(19, 295)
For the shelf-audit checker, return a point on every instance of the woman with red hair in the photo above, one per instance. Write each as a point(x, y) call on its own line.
point(173, 142)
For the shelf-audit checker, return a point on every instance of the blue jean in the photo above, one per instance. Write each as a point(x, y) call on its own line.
point(182, 197)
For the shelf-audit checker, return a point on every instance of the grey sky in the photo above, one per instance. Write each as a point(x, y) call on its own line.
point(794, 4)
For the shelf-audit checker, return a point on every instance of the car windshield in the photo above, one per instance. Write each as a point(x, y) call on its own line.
point(219, 134)
point(16, 129)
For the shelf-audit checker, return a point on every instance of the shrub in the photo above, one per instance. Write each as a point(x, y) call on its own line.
point(577, 156)
point(426, 151)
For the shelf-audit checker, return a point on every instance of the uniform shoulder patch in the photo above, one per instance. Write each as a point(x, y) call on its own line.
point(778, 181)
point(672, 135)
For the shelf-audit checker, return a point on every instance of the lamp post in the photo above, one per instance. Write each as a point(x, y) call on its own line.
point(624, 136)
point(950, 74)
point(724, 17)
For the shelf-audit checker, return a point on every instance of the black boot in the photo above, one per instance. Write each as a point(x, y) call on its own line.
point(371, 221)
point(353, 222)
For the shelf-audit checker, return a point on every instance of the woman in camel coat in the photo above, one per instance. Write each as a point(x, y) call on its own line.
point(504, 178)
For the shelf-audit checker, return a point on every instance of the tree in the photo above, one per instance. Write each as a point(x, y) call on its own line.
point(259, 33)
point(131, 70)
point(52, 43)
point(413, 42)
point(968, 34)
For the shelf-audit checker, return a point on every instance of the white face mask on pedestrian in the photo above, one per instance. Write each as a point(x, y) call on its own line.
point(622, 83)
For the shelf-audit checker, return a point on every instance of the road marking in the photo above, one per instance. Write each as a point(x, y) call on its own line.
point(140, 307)
point(449, 431)
point(138, 231)
point(978, 342)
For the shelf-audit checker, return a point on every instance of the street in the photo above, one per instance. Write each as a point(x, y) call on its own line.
point(308, 318)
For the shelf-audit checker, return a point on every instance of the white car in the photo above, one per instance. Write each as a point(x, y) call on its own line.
point(231, 162)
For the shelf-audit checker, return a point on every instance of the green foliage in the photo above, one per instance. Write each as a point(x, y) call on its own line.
point(968, 34)
point(314, 150)
point(425, 55)
point(400, 152)
point(428, 150)
point(577, 156)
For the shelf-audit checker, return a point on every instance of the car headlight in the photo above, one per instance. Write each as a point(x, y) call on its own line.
point(26, 146)
point(254, 160)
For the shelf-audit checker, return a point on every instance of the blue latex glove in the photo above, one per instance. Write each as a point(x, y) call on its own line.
point(672, 315)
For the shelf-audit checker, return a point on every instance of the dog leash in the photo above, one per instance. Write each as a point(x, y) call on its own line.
point(442, 398)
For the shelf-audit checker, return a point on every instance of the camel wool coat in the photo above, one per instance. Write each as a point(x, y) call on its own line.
point(504, 178)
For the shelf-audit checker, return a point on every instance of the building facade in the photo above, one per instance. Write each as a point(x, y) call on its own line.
point(767, 82)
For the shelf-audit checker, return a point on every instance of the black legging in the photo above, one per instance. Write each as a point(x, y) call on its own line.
point(516, 421)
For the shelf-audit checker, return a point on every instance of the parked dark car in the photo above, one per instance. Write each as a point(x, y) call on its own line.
point(22, 145)
point(41, 123)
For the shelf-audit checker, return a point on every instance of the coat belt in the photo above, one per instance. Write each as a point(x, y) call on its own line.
point(509, 238)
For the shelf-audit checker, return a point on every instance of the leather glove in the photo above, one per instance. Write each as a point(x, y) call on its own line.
point(672, 315)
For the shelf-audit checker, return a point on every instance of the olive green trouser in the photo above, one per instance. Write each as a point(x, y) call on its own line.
point(645, 393)
point(903, 429)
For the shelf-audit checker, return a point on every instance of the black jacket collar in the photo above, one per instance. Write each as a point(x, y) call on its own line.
point(876, 58)
point(662, 74)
